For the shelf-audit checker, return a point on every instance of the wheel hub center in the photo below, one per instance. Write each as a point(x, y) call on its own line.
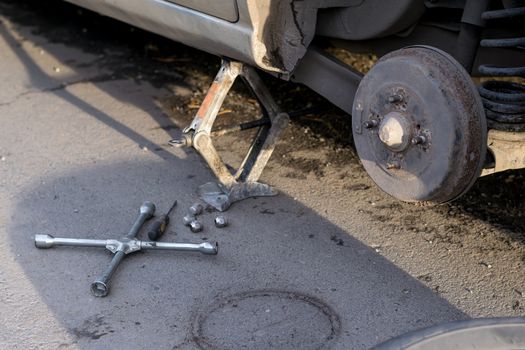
point(395, 131)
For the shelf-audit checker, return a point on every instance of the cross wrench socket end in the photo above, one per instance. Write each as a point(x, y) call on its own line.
point(44, 241)
point(99, 289)
point(209, 248)
point(148, 209)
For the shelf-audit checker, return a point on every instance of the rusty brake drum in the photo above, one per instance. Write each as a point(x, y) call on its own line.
point(419, 126)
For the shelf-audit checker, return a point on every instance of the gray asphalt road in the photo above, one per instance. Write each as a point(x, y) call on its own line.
point(329, 263)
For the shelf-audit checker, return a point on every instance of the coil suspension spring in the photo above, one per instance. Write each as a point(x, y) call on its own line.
point(504, 101)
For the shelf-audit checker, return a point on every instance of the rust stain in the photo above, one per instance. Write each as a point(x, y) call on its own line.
point(208, 100)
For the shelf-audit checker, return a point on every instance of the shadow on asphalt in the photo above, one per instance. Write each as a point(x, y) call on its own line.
point(309, 269)
point(499, 199)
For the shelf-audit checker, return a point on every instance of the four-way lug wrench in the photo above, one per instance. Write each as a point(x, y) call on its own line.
point(123, 246)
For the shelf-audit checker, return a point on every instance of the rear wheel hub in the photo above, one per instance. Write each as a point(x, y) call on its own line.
point(419, 126)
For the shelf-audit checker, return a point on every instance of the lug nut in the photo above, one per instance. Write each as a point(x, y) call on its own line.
point(395, 98)
point(196, 209)
point(187, 219)
point(419, 140)
point(220, 221)
point(372, 123)
point(195, 226)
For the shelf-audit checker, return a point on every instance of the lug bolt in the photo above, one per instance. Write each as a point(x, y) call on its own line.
point(395, 98)
point(419, 140)
point(195, 226)
point(372, 123)
point(220, 221)
point(393, 165)
point(196, 209)
point(187, 219)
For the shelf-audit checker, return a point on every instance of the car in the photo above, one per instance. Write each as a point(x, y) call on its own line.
point(422, 128)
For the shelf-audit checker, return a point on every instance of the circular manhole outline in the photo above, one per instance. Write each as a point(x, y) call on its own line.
point(203, 343)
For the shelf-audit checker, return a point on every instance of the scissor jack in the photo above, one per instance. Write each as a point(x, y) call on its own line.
point(242, 184)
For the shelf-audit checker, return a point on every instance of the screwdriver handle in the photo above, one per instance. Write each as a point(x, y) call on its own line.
point(158, 227)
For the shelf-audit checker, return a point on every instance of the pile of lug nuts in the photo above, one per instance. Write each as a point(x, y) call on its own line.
point(195, 225)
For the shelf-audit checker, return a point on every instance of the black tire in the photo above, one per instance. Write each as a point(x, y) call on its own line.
point(479, 334)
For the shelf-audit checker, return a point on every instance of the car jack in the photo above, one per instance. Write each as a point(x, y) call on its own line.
point(244, 182)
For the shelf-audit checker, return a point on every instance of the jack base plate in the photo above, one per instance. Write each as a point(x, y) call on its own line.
point(221, 197)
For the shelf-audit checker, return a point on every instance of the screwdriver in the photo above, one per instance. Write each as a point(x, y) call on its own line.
point(158, 226)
